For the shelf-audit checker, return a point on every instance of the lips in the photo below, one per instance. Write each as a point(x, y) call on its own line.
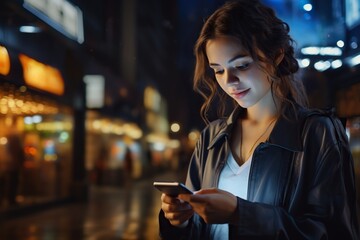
point(240, 93)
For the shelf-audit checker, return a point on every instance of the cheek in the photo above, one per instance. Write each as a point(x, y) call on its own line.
point(222, 85)
point(259, 78)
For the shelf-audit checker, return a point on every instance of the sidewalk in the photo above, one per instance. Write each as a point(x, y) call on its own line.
point(111, 213)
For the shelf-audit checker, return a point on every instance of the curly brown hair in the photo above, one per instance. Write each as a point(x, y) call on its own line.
point(258, 29)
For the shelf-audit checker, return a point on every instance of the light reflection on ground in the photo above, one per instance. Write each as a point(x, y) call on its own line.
point(111, 213)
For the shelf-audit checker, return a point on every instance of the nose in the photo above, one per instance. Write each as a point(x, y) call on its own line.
point(231, 77)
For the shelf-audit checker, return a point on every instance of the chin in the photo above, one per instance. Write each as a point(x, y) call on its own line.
point(244, 105)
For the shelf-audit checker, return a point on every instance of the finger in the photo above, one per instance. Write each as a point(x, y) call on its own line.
point(207, 191)
point(178, 215)
point(169, 199)
point(177, 218)
point(185, 197)
point(194, 198)
point(176, 207)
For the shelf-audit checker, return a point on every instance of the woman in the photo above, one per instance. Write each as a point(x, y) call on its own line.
point(272, 169)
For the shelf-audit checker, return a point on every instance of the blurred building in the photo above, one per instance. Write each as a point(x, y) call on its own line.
point(79, 98)
point(40, 119)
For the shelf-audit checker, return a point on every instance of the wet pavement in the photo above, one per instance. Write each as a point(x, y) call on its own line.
point(110, 213)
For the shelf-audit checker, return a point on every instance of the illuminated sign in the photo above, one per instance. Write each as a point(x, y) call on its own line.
point(59, 14)
point(95, 90)
point(41, 76)
point(352, 13)
point(152, 99)
point(4, 61)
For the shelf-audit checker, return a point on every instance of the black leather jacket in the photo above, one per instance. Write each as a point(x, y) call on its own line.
point(301, 182)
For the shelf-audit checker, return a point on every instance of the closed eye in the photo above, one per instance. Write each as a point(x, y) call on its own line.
point(218, 71)
point(243, 66)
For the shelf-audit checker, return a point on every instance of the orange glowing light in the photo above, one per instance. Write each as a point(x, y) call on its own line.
point(4, 61)
point(42, 76)
point(32, 151)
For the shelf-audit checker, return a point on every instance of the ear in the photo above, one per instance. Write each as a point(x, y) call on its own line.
point(280, 57)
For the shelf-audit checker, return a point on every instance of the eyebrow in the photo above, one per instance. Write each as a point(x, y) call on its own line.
point(231, 60)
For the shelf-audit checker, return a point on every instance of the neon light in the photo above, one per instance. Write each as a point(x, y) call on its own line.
point(4, 61)
point(41, 76)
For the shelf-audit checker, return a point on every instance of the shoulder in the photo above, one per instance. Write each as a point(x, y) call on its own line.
point(214, 132)
point(323, 125)
point(216, 125)
point(223, 124)
point(319, 117)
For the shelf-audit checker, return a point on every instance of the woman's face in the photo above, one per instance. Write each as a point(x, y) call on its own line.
point(237, 73)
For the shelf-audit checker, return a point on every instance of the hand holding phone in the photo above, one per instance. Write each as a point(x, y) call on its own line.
point(176, 211)
point(172, 188)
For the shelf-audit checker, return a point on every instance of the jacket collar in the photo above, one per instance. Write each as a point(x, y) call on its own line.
point(288, 129)
point(225, 127)
point(286, 132)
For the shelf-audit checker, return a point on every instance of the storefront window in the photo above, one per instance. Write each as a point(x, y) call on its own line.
point(113, 152)
point(35, 148)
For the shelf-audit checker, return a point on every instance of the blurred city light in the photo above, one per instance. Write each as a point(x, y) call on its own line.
point(322, 65)
point(61, 15)
point(117, 127)
point(303, 63)
point(3, 140)
point(95, 90)
point(354, 60)
point(336, 63)
point(36, 119)
point(4, 61)
point(194, 135)
point(340, 43)
point(324, 51)
point(175, 127)
point(310, 51)
point(308, 7)
point(42, 76)
point(354, 44)
point(29, 29)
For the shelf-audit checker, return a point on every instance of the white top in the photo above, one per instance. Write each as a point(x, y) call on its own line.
point(234, 179)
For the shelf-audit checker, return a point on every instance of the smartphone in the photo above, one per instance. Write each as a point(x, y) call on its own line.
point(172, 188)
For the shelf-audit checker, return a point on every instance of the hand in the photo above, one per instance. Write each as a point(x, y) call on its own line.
point(213, 205)
point(175, 210)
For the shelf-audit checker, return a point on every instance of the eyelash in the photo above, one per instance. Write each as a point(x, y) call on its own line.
point(241, 68)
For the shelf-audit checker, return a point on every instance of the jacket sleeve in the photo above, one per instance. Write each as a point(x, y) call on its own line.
point(167, 231)
point(327, 209)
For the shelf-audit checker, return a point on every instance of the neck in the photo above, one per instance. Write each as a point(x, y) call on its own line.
point(260, 116)
point(263, 111)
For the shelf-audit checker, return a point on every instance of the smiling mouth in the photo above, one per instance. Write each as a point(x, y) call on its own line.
point(240, 94)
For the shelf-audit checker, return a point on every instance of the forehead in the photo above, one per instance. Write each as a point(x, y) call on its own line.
point(224, 48)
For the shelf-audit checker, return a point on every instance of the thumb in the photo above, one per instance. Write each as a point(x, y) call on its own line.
point(185, 197)
point(207, 191)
